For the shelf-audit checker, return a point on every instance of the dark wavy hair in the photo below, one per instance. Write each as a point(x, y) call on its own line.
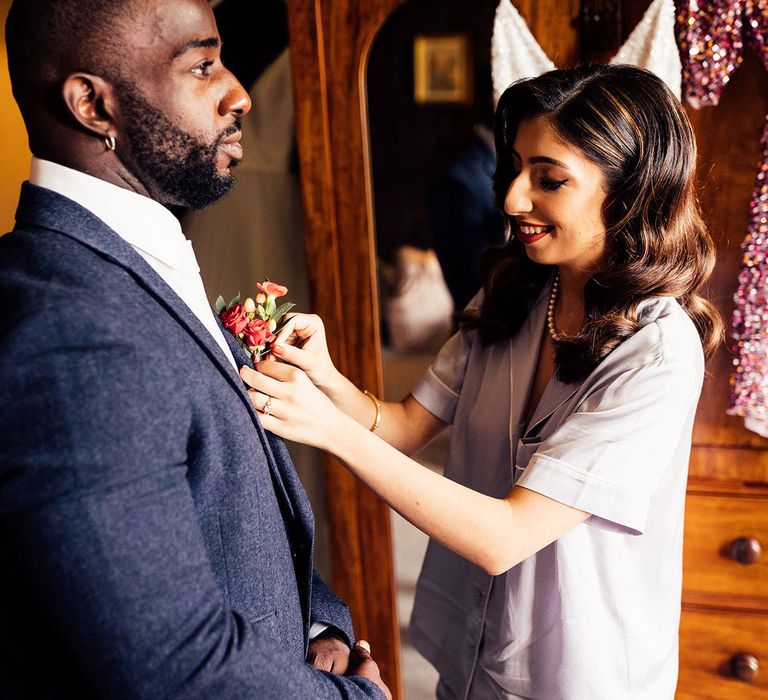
point(626, 121)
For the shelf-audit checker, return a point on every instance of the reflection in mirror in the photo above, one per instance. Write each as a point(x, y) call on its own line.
point(255, 232)
point(430, 113)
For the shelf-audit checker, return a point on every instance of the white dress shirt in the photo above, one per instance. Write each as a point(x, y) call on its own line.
point(147, 226)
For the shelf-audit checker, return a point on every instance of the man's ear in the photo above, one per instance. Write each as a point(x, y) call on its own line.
point(91, 101)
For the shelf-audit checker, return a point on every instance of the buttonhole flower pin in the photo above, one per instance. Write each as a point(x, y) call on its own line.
point(255, 321)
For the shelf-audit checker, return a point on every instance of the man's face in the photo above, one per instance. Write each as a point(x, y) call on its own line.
point(180, 107)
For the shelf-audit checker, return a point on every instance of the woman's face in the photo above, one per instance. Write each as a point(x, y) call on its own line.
point(555, 200)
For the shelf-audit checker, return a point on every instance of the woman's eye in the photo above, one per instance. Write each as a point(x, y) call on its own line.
point(204, 69)
point(551, 185)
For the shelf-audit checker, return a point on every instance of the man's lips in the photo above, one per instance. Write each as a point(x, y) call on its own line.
point(231, 146)
point(530, 233)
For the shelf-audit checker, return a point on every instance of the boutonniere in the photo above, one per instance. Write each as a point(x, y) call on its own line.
point(255, 321)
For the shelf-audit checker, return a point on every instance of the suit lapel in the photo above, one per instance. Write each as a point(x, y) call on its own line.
point(290, 495)
point(284, 475)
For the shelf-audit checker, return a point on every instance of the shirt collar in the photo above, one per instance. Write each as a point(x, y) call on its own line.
point(142, 222)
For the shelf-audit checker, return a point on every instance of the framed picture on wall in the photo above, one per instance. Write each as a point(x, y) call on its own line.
point(441, 69)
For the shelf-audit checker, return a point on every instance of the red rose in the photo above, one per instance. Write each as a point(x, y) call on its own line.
point(257, 333)
point(234, 319)
point(271, 289)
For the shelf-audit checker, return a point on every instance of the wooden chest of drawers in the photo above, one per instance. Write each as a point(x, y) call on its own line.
point(713, 643)
point(724, 625)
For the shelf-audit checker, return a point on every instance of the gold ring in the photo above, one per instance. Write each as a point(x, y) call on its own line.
point(267, 406)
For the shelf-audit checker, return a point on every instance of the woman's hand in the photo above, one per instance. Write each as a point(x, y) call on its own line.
point(302, 343)
point(291, 406)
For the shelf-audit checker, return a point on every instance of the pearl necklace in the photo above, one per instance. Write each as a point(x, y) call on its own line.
point(553, 332)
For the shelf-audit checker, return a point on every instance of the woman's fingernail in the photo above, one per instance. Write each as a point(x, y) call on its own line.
point(278, 349)
point(362, 643)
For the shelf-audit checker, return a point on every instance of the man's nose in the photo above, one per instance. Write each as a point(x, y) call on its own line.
point(518, 197)
point(236, 100)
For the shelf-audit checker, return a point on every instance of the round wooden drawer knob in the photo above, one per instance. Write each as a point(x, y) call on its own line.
point(745, 667)
point(746, 550)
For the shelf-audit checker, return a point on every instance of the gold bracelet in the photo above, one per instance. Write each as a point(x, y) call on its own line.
point(377, 405)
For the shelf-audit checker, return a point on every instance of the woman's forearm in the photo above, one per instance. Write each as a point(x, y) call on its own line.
point(487, 531)
point(348, 398)
point(404, 424)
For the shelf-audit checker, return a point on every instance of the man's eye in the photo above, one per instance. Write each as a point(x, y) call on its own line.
point(551, 185)
point(204, 69)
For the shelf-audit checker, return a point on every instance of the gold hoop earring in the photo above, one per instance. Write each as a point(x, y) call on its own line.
point(109, 142)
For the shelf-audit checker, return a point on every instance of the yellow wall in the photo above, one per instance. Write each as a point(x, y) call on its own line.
point(14, 152)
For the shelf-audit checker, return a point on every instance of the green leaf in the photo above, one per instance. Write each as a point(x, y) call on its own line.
point(280, 327)
point(269, 309)
point(282, 310)
point(235, 300)
point(220, 304)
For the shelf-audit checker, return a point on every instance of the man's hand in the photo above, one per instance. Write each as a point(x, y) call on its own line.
point(329, 653)
point(361, 664)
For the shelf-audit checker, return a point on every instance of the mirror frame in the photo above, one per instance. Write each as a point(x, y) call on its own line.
point(329, 43)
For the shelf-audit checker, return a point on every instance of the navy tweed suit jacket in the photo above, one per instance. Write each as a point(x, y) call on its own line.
point(155, 542)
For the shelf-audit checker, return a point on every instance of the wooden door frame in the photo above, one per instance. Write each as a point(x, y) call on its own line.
point(329, 41)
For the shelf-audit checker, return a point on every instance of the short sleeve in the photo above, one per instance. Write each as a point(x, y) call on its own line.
point(608, 456)
point(438, 390)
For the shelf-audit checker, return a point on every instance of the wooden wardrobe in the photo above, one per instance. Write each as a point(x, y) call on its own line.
point(724, 628)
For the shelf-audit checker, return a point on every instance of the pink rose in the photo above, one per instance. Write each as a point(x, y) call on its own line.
point(257, 333)
point(271, 289)
point(234, 319)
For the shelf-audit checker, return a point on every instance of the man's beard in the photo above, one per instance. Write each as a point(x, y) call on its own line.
point(176, 168)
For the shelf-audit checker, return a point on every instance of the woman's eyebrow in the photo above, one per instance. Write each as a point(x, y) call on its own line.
point(535, 160)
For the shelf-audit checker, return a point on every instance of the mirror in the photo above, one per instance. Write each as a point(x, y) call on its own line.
point(430, 112)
